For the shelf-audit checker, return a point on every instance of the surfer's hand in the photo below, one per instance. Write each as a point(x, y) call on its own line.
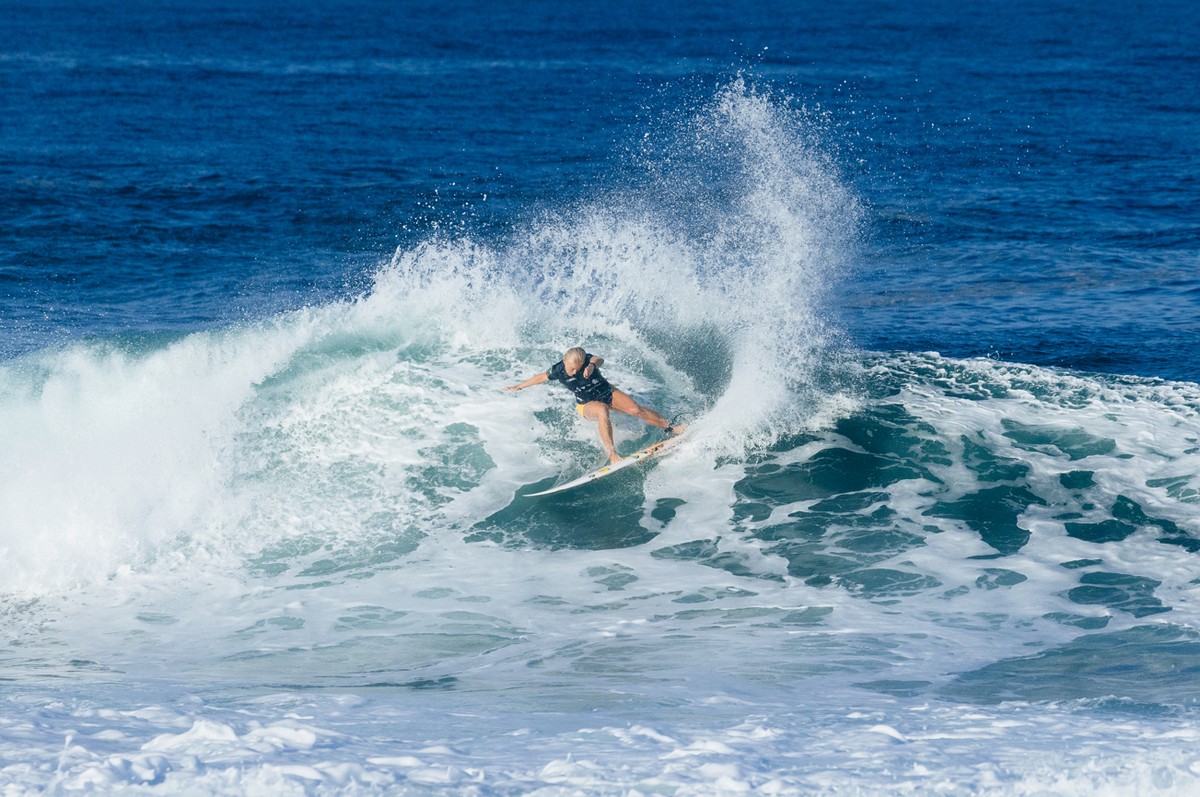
point(512, 388)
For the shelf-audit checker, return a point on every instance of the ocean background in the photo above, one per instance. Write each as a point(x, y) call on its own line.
point(923, 277)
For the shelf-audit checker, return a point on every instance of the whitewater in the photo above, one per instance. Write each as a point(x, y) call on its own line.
point(294, 555)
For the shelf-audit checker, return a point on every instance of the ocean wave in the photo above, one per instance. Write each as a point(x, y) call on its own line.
point(333, 501)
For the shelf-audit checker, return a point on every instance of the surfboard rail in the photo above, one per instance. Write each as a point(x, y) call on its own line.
point(652, 450)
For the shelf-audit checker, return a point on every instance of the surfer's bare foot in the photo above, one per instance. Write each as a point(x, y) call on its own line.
point(674, 429)
point(614, 458)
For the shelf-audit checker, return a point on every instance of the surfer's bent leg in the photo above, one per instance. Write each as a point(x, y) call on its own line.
point(621, 402)
point(598, 412)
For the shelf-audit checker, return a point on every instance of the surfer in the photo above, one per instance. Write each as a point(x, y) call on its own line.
point(595, 397)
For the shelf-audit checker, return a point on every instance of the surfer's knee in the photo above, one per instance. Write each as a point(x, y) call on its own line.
point(623, 402)
point(596, 410)
point(644, 414)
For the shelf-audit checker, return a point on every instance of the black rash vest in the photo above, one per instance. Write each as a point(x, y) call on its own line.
point(593, 388)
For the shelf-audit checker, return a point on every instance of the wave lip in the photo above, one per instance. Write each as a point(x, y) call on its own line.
point(715, 258)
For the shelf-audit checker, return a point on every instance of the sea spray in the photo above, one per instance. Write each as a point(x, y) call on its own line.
point(715, 262)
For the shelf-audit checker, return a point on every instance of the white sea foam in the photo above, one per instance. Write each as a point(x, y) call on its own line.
point(1007, 750)
point(569, 632)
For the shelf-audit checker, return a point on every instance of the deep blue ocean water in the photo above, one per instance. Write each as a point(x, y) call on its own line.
point(1030, 169)
point(924, 277)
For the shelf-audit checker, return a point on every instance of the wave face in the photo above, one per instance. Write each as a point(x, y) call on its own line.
point(296, 555)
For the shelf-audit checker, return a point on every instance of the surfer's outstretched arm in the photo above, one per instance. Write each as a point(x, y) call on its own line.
point(540, 379)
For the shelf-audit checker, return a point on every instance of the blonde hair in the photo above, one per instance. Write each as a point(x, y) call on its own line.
point(574, 355)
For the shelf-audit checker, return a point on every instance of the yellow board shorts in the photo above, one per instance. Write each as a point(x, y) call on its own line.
point(579, 409)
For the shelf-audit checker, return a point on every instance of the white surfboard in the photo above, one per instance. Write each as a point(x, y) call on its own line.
point(661, 447)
